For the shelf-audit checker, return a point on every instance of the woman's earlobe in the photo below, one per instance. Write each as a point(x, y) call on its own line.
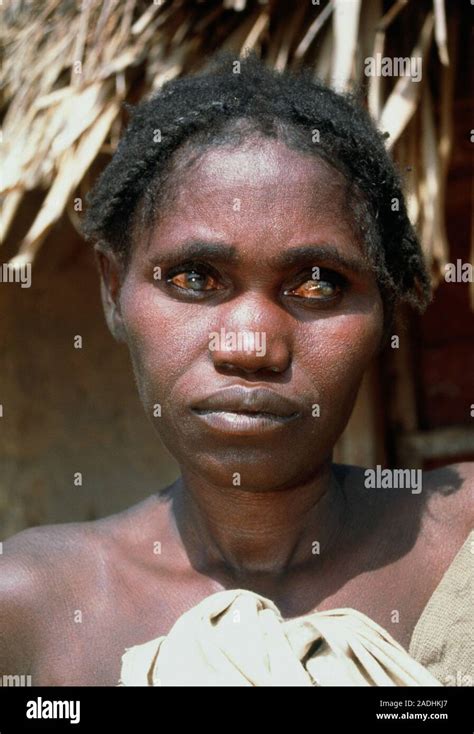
point(111, 272)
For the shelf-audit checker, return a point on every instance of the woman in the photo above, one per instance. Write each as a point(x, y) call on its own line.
point(253, 245)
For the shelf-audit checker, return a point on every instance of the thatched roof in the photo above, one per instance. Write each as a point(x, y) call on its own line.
point(70, 65)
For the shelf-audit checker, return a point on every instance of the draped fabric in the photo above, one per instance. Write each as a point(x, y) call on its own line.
point(239, 638)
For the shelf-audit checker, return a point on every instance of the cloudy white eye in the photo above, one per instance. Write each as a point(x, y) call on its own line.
point(193, 278)
point(327, 286)
point(315, 289)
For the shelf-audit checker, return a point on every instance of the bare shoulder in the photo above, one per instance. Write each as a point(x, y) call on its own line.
point(34, 559)
point(35, 571)
point(446, 492)
point(50, 574)
point(434, 521)
point(46, 573)
point(29, 556)
point(47, 570)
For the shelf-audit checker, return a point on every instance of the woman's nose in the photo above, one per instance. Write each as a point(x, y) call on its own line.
point(250, 338)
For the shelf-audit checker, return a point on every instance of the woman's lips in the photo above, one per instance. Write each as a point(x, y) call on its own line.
point(236, 409)
point(244, 423)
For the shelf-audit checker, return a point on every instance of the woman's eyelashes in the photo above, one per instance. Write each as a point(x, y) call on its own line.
point(198, 280)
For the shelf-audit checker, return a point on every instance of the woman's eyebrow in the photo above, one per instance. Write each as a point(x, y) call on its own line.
point(326, 253)
point(195, 250)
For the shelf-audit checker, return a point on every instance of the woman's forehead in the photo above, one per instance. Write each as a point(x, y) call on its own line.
point(259, 219)
point(260, 162)
point(256, 190)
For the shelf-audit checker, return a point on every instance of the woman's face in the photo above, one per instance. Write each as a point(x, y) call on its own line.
point(254, 340)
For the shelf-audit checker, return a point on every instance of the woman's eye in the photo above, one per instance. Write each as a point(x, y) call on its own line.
point(193, 280)
point(315, 290)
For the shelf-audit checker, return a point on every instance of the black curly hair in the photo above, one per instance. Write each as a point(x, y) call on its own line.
point(221, 105)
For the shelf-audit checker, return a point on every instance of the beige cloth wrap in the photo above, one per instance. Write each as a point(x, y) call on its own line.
point(238, 638)
point(443, 639)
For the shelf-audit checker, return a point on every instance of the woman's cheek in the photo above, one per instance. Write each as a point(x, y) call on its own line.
point(338, 354)
point(144, 330)
point(358, 334)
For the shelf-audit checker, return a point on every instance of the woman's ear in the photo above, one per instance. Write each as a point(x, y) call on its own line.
point(111, 270)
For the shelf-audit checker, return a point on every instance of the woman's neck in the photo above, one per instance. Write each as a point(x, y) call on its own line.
point(272, 532)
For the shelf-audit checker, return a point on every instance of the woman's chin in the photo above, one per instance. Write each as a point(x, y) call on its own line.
point(254, 472)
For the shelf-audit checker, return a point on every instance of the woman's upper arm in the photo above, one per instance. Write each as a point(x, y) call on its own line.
point(22, 587)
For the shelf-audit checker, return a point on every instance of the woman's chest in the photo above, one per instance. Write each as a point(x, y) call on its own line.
point(87, 649)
